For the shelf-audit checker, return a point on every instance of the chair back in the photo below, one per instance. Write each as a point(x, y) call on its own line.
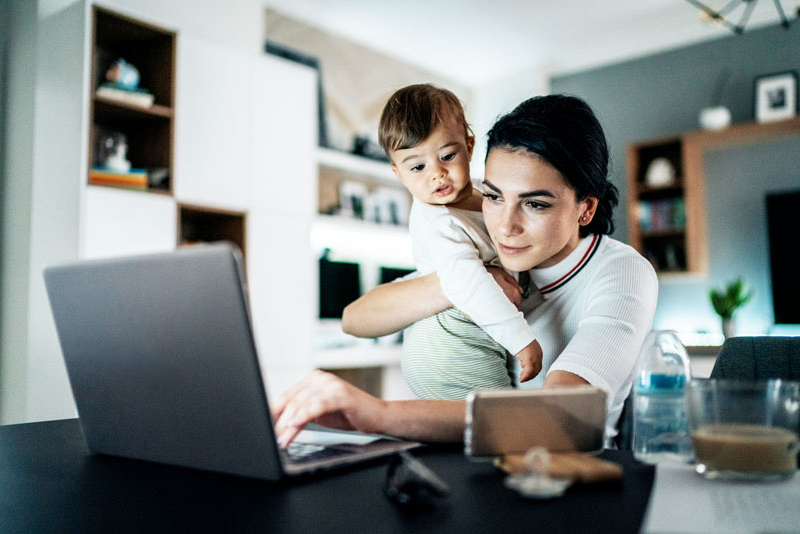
point(758, 358)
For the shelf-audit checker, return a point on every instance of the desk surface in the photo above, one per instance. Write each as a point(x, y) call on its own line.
point(50, 483)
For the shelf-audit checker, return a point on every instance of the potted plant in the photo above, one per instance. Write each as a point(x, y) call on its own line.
point(727, 301)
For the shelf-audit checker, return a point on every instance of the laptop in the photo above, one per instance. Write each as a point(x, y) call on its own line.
point(163, 367)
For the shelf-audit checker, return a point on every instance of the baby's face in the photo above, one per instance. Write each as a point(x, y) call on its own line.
point(436, 171)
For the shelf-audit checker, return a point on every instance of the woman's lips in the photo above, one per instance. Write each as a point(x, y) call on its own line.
point(510, 251)
point(443, 191)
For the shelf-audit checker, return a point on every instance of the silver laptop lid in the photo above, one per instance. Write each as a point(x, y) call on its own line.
point(161, 360)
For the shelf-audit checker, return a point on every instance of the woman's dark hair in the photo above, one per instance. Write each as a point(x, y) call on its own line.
point(564, 132)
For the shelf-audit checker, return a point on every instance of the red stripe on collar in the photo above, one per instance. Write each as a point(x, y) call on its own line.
point(581, 262)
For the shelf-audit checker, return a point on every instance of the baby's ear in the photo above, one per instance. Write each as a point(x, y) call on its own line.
point(470, 144)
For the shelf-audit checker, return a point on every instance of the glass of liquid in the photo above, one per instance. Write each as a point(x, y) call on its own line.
point(744, 429)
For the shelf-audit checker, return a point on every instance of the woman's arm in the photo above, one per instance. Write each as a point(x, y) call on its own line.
point(325, 399)
point(393, 306)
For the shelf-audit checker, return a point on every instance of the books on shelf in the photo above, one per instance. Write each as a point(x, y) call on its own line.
point(662, 215)
point(134, 178)
point(136, 97)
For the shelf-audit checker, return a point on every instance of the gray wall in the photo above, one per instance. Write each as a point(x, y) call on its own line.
point(16, 174)
point(661, 95)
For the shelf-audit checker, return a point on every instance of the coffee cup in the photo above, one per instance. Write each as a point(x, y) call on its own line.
point(744, 429)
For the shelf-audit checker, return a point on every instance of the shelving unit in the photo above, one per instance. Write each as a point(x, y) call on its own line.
point(203, 225)
point(372, 244)
point(685, 241)
point(659, 226)
point(148, 130)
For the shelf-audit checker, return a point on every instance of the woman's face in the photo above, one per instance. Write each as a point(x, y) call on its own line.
point(530, 211)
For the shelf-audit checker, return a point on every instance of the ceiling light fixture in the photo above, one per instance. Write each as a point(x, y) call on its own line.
point(721, 16)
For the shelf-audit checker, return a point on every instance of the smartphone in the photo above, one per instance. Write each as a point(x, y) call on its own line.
point(511, 421)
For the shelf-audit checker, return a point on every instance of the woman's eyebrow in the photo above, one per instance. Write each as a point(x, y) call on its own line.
point(535, 193)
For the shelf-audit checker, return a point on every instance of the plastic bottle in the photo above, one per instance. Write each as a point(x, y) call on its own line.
point(660, 423)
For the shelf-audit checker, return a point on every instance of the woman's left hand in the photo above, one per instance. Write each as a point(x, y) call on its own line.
point(508, 284)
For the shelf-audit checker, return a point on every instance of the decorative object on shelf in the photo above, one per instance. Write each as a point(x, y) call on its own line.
point(660, 173)
point(158, 178)
point(368, 148)
point(116, 153)
point(717, 116)
point(123, 74)
point(352, 197)
point(721, 16)
point(122, 85)
point(775, 96)
point(387, 206)
point(727, 301)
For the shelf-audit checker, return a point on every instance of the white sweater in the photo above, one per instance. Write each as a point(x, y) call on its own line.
point(455, 245)
point(592, 314)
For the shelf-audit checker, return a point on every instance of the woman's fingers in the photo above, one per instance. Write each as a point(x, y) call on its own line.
point(325, 399)
point(508, 284)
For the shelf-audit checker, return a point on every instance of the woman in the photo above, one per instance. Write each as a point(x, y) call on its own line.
point(547, 206)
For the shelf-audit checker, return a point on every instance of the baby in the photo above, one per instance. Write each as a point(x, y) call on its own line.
point(426, 137)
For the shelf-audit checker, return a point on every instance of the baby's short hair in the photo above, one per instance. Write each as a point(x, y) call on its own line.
point(413, 112)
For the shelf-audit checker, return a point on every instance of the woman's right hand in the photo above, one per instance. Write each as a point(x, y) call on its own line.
point(325, 399)
point(508, 284)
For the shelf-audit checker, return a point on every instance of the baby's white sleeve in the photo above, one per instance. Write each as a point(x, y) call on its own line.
point(469, 286)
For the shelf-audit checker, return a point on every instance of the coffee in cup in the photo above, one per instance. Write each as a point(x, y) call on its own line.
point(744, 429)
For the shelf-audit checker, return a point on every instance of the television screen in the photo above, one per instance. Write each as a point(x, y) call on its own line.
point(782, 208)
point(339, 285)
point(392, 273)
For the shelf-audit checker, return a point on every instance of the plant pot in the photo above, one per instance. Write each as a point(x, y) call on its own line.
point(728, 328)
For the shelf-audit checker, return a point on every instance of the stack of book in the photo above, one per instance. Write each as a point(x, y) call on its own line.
point(118, 93)
point(134, 178)
point(662, 215)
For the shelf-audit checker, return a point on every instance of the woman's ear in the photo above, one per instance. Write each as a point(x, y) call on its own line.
point(589, 207)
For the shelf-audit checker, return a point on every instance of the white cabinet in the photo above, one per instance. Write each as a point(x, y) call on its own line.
point(284, 111)
point(214, 108)
point(282, 279)
point(117, 222)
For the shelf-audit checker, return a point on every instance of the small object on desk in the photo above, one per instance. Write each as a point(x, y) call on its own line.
point(409, 482)
point(535, 482)
point(576, 466)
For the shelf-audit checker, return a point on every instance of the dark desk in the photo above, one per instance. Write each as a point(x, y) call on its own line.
point(50, 483)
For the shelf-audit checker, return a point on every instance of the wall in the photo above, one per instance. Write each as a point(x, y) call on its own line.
point(496, 98)
point(46, 100)
point(660, 96)
point(20, 68)
point(357, 81)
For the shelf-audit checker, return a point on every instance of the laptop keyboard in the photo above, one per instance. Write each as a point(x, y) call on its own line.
point(307, 452)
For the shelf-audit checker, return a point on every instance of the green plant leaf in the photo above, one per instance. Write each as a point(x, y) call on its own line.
point(731, 298)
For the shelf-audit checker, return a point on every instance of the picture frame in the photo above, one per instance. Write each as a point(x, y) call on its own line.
point(775, 96)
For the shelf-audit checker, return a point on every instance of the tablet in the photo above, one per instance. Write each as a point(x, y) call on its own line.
point(511, 421)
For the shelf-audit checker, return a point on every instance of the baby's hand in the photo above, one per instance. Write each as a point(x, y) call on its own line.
point(531, 360)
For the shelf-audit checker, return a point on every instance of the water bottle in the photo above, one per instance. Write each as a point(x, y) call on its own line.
point(660, 422)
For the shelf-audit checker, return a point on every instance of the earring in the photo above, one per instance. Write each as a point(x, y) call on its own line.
point(583, 218)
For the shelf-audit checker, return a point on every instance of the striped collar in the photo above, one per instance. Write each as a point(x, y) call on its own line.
point(548, 279)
